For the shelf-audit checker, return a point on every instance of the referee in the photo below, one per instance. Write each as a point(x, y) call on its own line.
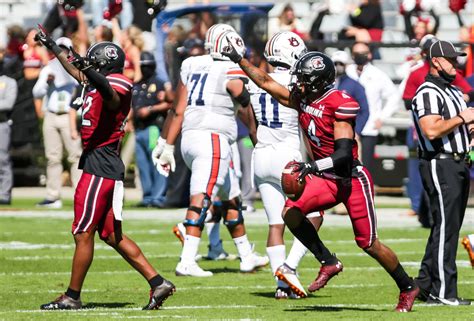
point(443, 123)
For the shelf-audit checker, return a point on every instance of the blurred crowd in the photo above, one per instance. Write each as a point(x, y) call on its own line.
point(46, 97)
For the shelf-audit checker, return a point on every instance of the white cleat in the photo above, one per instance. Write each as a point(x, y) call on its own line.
point(192, 269)
point(286, 274)
point(252, 262)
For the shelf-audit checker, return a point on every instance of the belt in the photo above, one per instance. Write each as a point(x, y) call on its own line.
point(433, 155)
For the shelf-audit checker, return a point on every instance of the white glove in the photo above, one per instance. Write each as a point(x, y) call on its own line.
point(166, 162)
point(157, 151)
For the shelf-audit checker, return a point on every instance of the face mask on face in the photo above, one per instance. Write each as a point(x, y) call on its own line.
point(340, 70)
point(449, 78)
point(361, 59)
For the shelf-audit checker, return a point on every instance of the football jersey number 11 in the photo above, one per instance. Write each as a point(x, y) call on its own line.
point(275, 123)
point(201, 79)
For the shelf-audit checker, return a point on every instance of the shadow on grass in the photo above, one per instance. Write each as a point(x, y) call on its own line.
point(109, 305)
point(326, 308)
point(224, 270)
point(272, 295)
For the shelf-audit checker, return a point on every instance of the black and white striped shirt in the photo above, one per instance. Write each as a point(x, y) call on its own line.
point(437, 97)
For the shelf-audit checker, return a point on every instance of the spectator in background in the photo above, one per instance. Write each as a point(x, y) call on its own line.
point(423, 12)
point(367, 23)
point(287, 21)
point(34, 57)
point(8, 94)
point(66, 15)
point(57, 86)
point(16, 40)
point(150, 107)
point(131, 41)
point(382, 96)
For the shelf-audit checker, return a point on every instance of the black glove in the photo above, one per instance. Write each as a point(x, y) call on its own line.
point(305, 169)
point(78, 61)
point(231, 52)
point(43, 37)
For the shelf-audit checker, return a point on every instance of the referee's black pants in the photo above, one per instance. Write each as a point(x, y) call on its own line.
point(447, 183)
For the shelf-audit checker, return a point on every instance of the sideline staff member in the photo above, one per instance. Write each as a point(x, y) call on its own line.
point(442, 121)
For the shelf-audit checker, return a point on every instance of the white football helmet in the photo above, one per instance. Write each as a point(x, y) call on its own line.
point(223, 41)
point(284, 48)
point(213, 35)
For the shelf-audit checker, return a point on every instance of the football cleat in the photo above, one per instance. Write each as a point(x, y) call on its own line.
point(63, 302)
point(326, 273)
point(180, 231)
point(282, 293)
point(192, 269)
point(159, 294)
point(468, 243)
point(252, 262)
point(406, 299)
point(288, 275)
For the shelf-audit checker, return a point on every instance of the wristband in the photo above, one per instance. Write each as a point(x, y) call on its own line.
point(462, 118)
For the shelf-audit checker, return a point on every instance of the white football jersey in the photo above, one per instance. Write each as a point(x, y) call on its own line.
point(210, 107)
point(277, 123)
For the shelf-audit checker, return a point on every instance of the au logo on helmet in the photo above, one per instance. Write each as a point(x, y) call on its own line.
point(239, 42)
point(294, 42)
point(111, 52)
point(317, 63)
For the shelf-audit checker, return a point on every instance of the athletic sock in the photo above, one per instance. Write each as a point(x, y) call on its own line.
point(404, 282)
point(276, 254)
point(155, 281)
point(212, 229)
point(297, 252)
point(243, 246)
point(190, 249)
point(73, 294)
point(307, 234)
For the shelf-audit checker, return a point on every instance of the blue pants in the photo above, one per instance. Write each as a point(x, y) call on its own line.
point(153, 183)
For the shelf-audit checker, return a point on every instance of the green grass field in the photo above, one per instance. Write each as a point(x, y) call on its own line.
point(35, 259)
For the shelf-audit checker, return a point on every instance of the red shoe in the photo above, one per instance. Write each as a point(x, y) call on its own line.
point(468, 245)
point(406, 299)
point(326, 272)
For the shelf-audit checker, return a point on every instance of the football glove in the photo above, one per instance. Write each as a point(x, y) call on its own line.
point(158, 150)
point(231, 52)
point(43, 37)
point(305, 169)
point(166, 161)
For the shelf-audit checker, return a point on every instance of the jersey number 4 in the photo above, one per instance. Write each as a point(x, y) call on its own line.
point(201, 80)
point(275, 122)
point(312, 133)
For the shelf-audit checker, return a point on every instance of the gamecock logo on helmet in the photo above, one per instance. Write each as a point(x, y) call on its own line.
point(294, 42)
point(317, 63)
point(111, 52)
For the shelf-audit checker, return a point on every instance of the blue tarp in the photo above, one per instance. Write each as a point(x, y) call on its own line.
point(166, 18)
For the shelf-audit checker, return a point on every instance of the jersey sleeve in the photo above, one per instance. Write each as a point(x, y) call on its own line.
point(236, 73)
point(120, 84)
point(427, 102)
point(347, 110)
point(185, 71)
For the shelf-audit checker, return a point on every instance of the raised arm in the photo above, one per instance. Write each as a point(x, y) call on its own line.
point(258, 76)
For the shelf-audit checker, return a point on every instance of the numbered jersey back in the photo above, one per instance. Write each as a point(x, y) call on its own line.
point(210, 106)
point(277, 123)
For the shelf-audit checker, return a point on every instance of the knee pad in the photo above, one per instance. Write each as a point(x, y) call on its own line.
point(202, 211)
point(239, 208)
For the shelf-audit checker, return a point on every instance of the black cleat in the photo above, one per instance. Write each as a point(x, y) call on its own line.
point(62, 303)
point(159, 294)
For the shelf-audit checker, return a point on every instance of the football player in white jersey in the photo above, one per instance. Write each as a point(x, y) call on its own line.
point(204, 112)
point(278, 143)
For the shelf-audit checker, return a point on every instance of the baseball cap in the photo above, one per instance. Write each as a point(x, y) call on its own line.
point(341, 56)
point(444, 49)
point(189, 44)
point(65, 42)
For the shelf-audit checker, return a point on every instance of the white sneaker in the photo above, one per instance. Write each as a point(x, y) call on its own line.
point(286, 274)
point(56, 204)
point(252, 261)
point(192, 269)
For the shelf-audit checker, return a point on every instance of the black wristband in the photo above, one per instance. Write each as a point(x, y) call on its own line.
point(462, 118)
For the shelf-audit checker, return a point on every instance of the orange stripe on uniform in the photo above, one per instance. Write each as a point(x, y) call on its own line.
point(216, 157)
point(237, 72)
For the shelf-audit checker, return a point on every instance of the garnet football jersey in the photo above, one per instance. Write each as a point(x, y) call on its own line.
point(317, 121)
point(210, 106)
point(277, 123)
point(100, 126)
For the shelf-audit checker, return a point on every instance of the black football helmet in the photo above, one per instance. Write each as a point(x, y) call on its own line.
point(315, 71)
point(147, 64)
point(106, 57)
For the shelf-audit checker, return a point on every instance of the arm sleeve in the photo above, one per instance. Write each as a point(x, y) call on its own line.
point(11, 91)
point(41, 87)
